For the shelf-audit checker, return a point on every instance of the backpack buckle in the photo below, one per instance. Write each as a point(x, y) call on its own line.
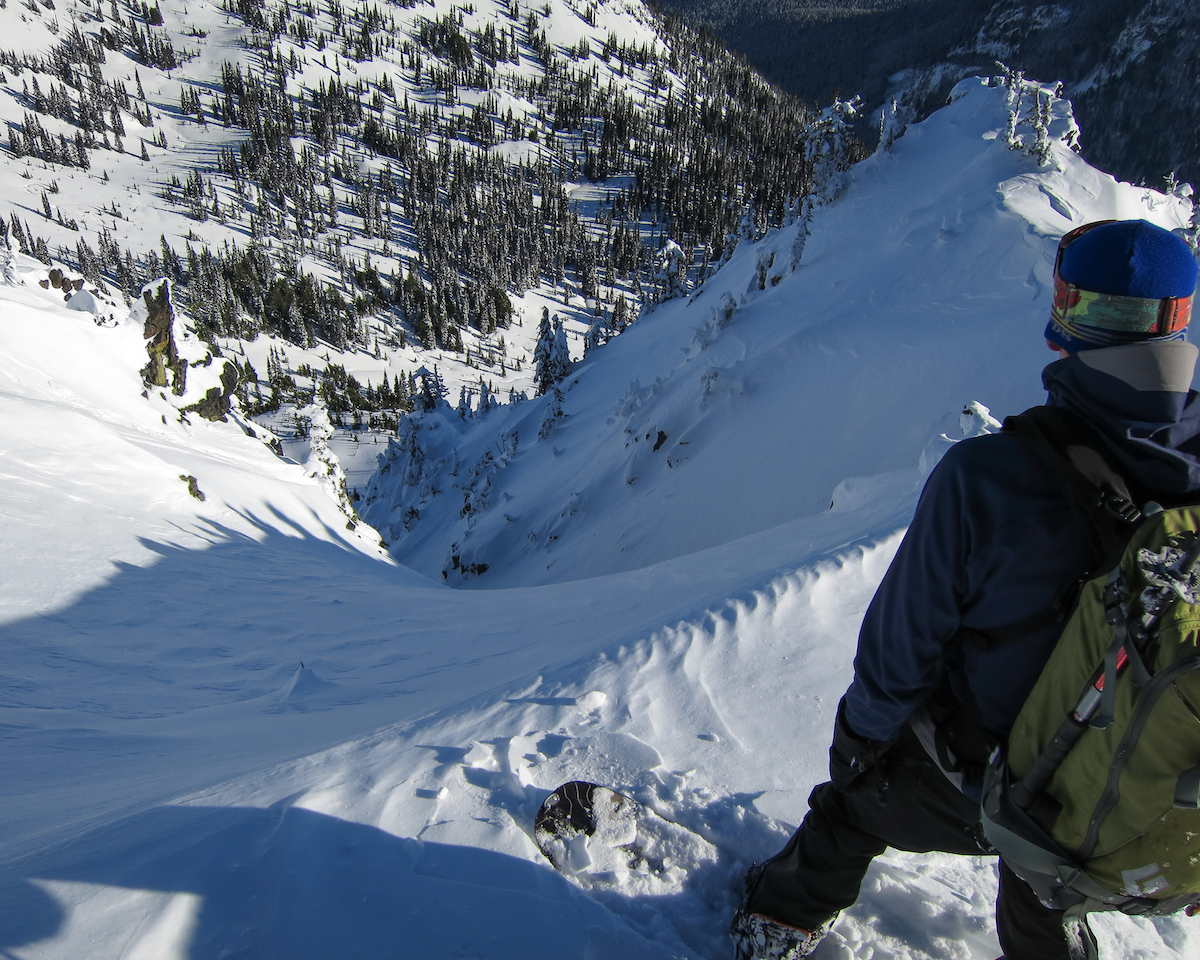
point(1120, 507)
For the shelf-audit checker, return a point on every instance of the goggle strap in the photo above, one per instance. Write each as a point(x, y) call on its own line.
point(1174, 313)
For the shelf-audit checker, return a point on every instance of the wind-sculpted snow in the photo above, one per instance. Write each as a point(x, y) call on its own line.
point(238, 727)
point(422, 832)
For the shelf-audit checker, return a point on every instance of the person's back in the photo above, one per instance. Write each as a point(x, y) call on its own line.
point(968, 613)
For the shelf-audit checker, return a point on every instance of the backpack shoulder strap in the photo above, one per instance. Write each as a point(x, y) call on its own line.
point(1097, 492)
point(1099, 497)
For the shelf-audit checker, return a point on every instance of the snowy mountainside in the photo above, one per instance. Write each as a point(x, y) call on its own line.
point(167, 657)
point(169, 582)
point(383, 188)
point(747, 403)
point(235, 727)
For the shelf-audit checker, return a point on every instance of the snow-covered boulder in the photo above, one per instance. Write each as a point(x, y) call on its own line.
point(84, 301)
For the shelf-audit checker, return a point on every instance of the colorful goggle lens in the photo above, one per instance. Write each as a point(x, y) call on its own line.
point(1123, 314)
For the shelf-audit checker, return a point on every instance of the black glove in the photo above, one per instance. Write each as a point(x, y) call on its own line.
point(851, 757)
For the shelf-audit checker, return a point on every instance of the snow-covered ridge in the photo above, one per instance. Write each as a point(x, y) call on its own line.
point(94, 453)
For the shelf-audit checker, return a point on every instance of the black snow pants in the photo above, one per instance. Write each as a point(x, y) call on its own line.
point(906, 803)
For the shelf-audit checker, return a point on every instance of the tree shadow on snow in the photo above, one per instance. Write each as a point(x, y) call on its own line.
point(286, 882)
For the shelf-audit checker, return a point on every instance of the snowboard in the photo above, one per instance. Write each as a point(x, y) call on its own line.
point(587, 828)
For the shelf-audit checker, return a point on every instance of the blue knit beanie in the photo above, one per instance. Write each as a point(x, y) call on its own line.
point(1121, 282)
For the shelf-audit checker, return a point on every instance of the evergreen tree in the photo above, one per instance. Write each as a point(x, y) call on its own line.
point(560, 354)
point(554, 413)
point(486, 399)
point(595, 335)
point(543, 368)
point(432, 393)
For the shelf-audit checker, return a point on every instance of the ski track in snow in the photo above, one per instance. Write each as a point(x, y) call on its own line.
point(237, 728)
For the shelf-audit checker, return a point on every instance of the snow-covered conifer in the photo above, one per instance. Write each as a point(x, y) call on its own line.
point(487, 399)
point(672, 271)
point(8, 257)
point(560, 354)
point(595, 334)
point(410, 452)
point(432, 393)
point(543, 371)
point(554, 413)
point(891, 126)
point(827, 149)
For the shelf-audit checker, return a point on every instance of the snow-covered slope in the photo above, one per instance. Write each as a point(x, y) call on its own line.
point(237, 728)
point(738, 408)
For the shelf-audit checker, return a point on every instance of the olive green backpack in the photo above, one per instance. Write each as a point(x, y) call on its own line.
point(1095, 802)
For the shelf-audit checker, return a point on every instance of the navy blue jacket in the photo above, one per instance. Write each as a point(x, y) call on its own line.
point(994, 539)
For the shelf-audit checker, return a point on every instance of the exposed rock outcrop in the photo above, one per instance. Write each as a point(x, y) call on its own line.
point(179, 360)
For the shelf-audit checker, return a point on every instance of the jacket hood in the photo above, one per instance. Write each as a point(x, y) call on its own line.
point(1139, 401)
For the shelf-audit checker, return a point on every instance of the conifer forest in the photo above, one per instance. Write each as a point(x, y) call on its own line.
point(374, 175)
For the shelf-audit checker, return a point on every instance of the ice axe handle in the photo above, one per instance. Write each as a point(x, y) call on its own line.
point(1034, 782)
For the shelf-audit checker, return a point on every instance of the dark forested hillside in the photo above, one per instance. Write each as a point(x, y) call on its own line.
point(1128, 65)
point(813, 47)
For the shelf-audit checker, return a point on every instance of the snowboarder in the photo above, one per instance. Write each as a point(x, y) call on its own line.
point(970, 609)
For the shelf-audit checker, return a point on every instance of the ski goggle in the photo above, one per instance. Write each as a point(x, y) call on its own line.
point(1150, 317)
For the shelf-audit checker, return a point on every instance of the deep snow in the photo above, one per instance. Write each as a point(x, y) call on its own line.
point(176, 784)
